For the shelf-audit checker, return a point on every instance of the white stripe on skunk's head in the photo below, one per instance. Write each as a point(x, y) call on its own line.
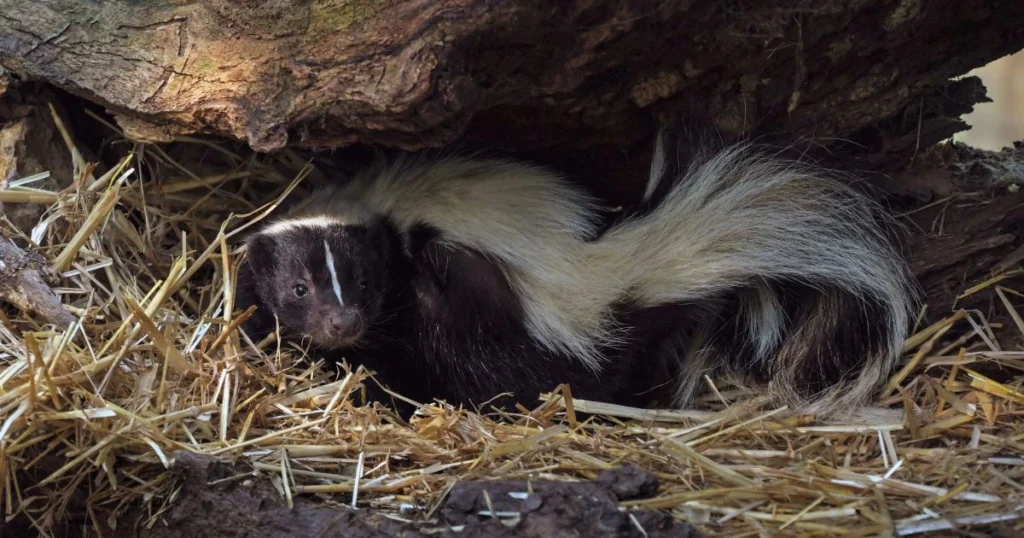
point(324, 280)
point(329, 256)
point(313, 221)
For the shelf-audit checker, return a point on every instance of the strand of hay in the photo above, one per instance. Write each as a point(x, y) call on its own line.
point(155, 363)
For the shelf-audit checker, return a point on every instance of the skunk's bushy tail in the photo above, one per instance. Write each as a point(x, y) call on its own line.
point(821, 300)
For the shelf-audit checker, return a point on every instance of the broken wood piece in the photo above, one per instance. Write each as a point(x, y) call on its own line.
point(25, 280)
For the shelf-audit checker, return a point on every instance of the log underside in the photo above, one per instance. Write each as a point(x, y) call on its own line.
point(535, 76)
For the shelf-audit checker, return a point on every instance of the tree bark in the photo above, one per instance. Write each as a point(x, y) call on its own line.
point(530, 74)
point(25, 282)
point(971, 229)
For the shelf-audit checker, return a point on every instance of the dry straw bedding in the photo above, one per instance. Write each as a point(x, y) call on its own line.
point(155, 363)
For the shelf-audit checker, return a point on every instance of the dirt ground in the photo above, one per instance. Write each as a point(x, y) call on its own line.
point(221, 500)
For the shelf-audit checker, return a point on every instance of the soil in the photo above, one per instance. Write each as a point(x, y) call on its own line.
point(221, 500)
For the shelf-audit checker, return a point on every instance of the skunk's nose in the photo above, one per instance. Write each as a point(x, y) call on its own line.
point(346, 323)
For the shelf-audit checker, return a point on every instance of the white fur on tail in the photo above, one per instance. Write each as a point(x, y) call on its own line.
point(739, 219)
point(659, 165)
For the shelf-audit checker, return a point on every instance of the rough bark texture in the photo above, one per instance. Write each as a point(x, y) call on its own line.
point(971, 230)
point(25, 280)
point(529, 74)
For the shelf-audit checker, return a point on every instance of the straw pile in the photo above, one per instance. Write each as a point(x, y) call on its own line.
point(155, 363)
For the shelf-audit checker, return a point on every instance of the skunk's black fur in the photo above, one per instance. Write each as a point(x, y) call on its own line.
point(447, 324)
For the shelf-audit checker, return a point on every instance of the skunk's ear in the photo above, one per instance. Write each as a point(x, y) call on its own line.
point(260, 255)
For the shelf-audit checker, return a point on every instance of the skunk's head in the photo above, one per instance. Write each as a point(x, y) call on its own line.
point(324, 280)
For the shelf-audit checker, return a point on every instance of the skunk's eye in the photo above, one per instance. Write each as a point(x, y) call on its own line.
point(300, 290)
point(363, 285)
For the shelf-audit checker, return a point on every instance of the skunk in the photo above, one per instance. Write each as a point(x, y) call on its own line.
point(479, 280)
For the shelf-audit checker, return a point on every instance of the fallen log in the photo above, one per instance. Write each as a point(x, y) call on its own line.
point(531, 75)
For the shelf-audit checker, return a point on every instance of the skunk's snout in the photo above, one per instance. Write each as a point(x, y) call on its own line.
point(346, 323)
